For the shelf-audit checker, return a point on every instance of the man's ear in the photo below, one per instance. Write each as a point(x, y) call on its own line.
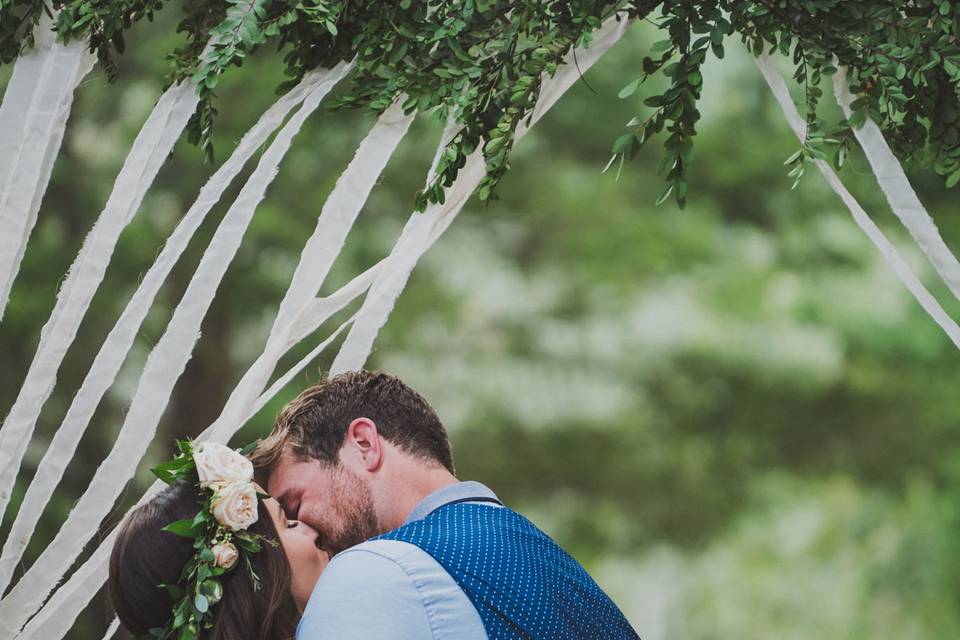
point(363, 445)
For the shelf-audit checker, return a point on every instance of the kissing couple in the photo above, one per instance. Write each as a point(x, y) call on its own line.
point(347, 522)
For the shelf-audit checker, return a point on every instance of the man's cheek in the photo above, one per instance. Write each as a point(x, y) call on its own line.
point(312, 517)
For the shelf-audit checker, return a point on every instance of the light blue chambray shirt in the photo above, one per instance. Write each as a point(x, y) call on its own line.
point(391, 589)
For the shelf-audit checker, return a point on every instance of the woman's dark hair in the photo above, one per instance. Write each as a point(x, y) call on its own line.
point(144, 557)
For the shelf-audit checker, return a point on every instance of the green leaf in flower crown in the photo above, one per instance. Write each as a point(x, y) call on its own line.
point(176, 591)
point(185, 447)
point(180, 613)
point(213, 590)
point(254, 578)
point(166, 471)
point(200, 518)
point(183, 528)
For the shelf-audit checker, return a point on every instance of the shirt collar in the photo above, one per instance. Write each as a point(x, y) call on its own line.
point(460, 491)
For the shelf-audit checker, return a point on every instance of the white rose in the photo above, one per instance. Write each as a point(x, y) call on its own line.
point(225, 555)
point(218, 463)
point(235, 505)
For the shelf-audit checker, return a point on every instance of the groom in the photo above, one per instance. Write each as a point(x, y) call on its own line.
point(364, 459)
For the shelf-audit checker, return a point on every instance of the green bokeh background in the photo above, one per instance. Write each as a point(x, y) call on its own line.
point(735, 415)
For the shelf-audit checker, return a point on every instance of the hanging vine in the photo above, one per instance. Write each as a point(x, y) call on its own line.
point(482, 63)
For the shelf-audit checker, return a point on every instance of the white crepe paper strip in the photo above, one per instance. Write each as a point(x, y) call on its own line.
point(151, 147)
point(55, 619)
point(309, 320)
point(887, 250)
point(900, 194)
point(164, 366)
point(115, 348)
point(112, 629)
point(70, 599)
point(287, 377)
point(340, 210)
point(337, 216)
point(318, 310)
point(33, 118)
point(422, 229)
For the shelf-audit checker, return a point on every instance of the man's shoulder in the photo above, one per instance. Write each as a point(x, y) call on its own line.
point(404, 591)
point(377, 551)
point(373, 574)
point(387, 570)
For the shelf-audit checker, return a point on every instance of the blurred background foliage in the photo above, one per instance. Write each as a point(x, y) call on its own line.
point(735, 415)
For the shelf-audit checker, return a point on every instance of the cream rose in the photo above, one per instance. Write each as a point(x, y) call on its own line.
point(225, 555)
point(217, 463)
point(235, 505)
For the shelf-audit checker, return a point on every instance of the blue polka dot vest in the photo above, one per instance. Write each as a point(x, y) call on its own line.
point(520, 581)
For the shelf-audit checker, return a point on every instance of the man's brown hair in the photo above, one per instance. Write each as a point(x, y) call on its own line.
point(314, 424)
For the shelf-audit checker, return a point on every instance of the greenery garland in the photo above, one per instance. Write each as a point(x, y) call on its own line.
point(481, 61)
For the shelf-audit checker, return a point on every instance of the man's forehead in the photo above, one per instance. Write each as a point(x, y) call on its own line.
point(292, 473)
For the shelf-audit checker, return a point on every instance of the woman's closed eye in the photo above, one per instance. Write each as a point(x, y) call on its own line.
point(292, 523)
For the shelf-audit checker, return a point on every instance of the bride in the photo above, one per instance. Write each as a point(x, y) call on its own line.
point(212, 556)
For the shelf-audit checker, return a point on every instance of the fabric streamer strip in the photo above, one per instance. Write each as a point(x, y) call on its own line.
point(33, 118)
point(57, 616)
point(112, 629)
point(898, 191)
point(117, 345)
point(337, 217)
point(341, 208)
point(887, 250)
point(287, 377)
point(61, 611)
point(150, 149)
point(164, 366)
point(422, 230)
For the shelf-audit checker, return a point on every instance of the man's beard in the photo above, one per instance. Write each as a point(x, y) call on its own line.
point(352, 505)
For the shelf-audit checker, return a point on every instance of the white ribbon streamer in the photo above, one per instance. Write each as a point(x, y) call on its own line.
point(286, 378)
point(887, 250)
point(61, 611)
point(150, 149)
point(898, 191)
point(337, 217)
point(112, 629)
point(33, 118)
point(115, 348)
point(164, 366)
point(294, 322)
point(341, 208)
point(56, 618)
point(422, 230)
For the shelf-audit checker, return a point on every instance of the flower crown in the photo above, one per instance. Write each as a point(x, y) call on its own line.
point(219, 532)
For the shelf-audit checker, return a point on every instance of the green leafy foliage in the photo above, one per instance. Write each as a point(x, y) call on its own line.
point(535, 313)
point(482, 62)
